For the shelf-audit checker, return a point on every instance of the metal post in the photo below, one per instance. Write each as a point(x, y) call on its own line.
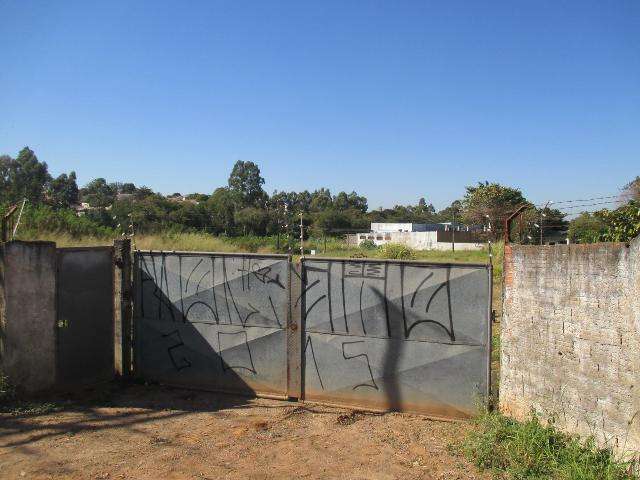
point(122, 310)
point(540, 226)
point(301, 237)
point(15, 227)
point(453, 232)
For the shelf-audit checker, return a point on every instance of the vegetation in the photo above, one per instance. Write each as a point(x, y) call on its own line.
point(622, 224)
point(531, 450)
point(586, 228)
point(10, 401)
point(243, 209)
point(396, 251)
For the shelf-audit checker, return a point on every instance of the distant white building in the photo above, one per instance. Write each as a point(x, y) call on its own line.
point(420, 236)
point(398, 227)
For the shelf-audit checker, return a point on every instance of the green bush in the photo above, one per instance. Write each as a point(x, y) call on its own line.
point(43, 218)
point(623, 224)
point(586, 228)
point(368, 245)
point(531, 450)
point(396, 251)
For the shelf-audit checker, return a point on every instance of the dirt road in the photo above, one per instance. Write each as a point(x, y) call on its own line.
point(157, 433)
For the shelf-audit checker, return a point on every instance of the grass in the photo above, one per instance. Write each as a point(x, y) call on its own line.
point(12, 403)
point(530, 450)
point(335, 247)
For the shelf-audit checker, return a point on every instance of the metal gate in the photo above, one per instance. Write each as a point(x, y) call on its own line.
point(85, 333)
point(213, 320)
point(391, 335)
point(383, 335)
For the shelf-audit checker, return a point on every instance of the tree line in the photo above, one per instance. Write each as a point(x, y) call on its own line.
point(242, 207)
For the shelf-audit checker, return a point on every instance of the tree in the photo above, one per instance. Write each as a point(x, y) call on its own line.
point(425, 211)
point(341, 201)
point(98, 193)
point(246, 181)
point(27, 177)
point(622, 224)
point(490, 202)
point(357, 202)
point(143, 192)
point(329, 220)
point(63, 190)
point(631, 191)
point(321, 200)
point(5, 169)
point(344, 201)
point(252, 220)
point(128, 188)
point(586, 228)
point(222, 206)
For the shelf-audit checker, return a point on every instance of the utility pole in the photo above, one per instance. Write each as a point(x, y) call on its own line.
point(453, 231)
point(301, 237)
point(286, 227)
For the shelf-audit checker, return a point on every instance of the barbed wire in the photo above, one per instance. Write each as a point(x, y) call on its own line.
point(617, 196)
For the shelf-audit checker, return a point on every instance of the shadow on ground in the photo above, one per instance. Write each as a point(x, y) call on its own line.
point(98, 408)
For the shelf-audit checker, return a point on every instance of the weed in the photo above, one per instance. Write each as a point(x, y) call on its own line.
point(10, 402)
point(396, 251)
point(368, 245)
point(530, 450)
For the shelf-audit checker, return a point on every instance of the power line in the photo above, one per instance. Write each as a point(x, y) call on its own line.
point(618, 196)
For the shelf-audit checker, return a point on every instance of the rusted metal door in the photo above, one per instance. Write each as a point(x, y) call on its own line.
point(212, 321)
point(390, 335)
point(85, 335)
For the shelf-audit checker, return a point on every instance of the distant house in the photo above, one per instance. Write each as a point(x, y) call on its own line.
point(182, 199)
point(82, 207)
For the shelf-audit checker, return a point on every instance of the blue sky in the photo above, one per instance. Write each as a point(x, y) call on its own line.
point(396, 99)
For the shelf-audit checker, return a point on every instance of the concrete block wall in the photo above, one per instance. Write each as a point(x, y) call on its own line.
point(28, 314)
point(570, 339)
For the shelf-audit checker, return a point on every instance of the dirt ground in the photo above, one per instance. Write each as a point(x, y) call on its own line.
point(161, 433)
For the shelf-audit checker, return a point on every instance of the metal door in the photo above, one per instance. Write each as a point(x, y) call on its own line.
point(85, 334)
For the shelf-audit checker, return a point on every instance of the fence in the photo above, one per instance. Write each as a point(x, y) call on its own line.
point(381, 335)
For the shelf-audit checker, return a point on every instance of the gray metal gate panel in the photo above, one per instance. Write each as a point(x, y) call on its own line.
point(213, 321)
point(395, 335)
point(85, 336)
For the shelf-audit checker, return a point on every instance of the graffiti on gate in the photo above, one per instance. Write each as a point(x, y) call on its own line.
point(380, 326)
point(226, 303)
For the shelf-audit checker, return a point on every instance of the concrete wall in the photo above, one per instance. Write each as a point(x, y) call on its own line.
point(570, 338)
point(415, 240)
point(28, 314)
